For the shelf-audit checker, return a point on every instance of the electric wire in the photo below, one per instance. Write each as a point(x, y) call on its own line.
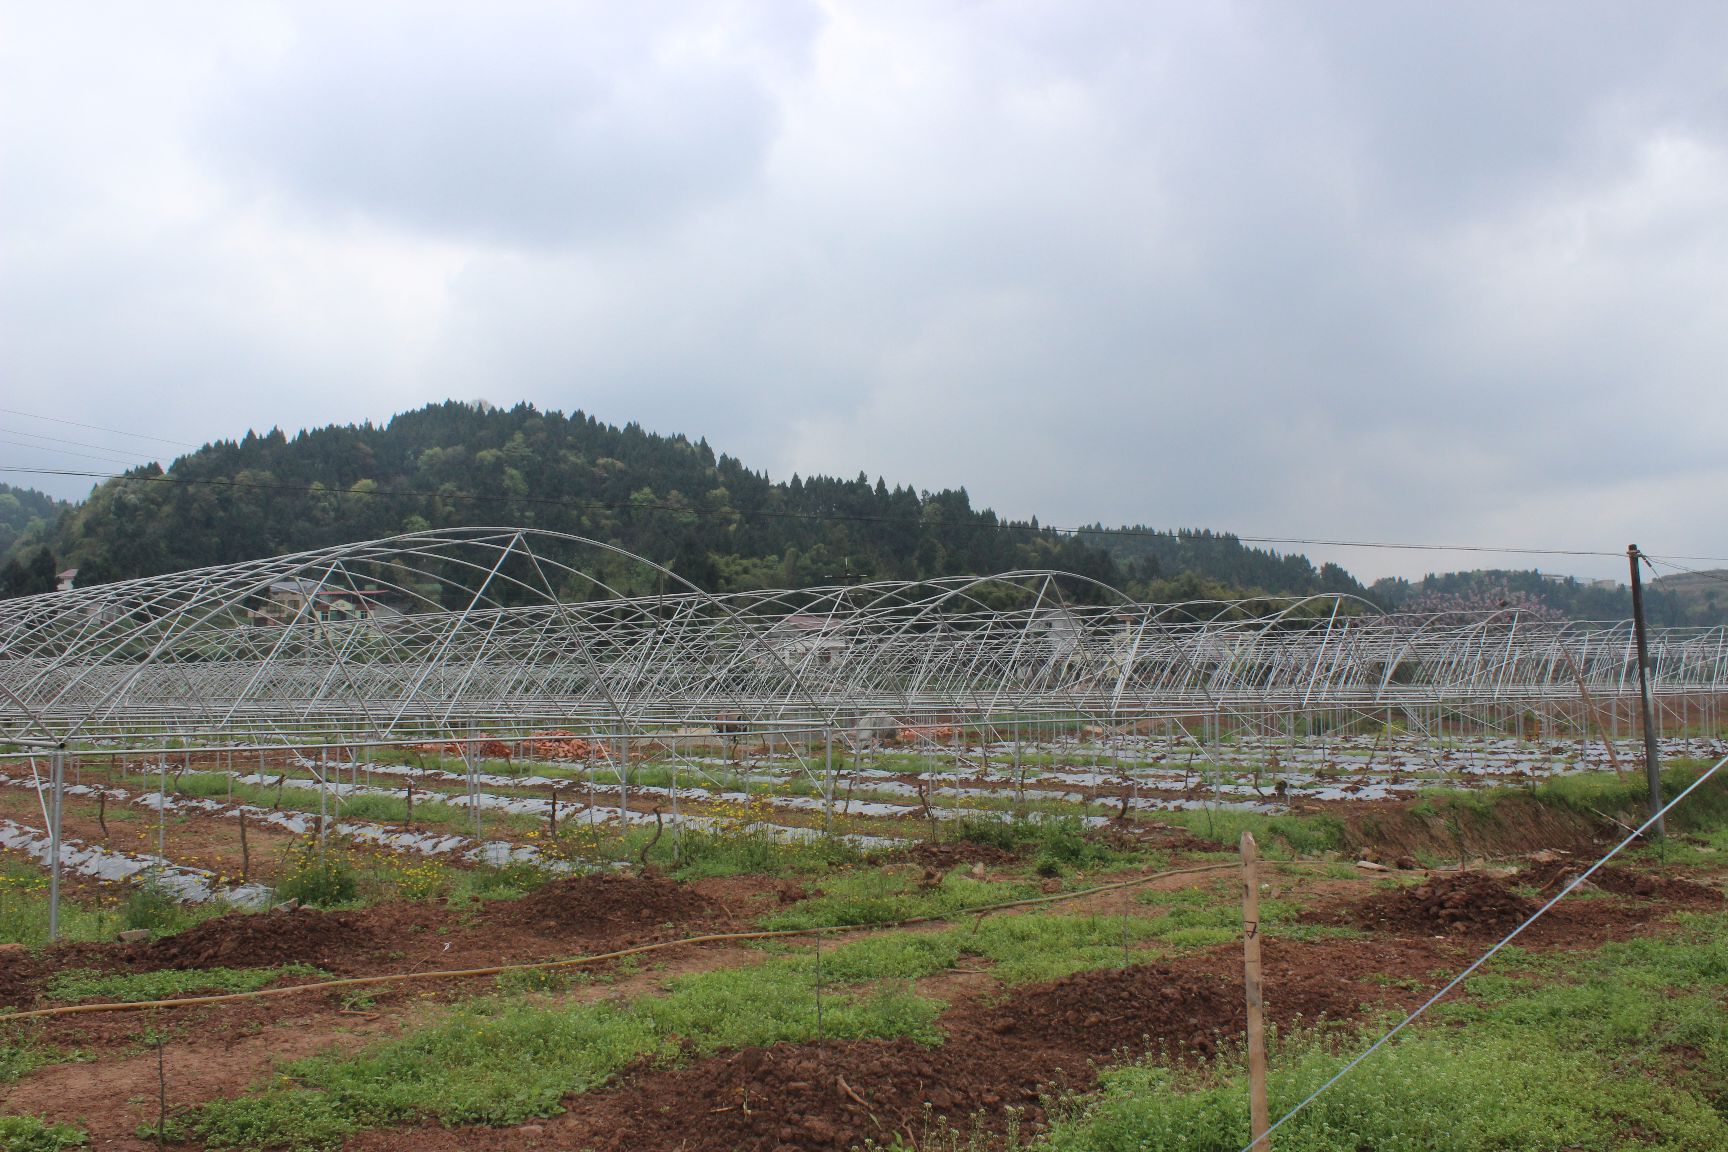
point(112, 450)
point(97, 428)
point(1264, 1138)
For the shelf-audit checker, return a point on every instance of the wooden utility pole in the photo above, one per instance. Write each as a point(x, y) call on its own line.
point(1259, 1117)
point(1652, 756)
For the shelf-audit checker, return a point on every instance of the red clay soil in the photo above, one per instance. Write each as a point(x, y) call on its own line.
point(329, 940)
point(344, 943)
point(605, 905)
point(946, 854)
point(1460, 904)
point(566, 917)
point(1044, 1039)
point(1131, 835)
point(1552, 877)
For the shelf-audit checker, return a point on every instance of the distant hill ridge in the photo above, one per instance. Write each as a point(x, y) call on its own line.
point(705, 515)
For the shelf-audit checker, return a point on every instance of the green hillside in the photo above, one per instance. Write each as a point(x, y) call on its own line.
point(705, 515)
point(26, 516)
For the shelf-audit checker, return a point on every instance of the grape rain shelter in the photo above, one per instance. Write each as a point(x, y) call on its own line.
point(503, 633)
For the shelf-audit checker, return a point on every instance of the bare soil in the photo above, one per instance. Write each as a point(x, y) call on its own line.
point(1002, 1052)
point(1015, 1054)
point(1553, 877)
point(1462, 904)
point(946, 854)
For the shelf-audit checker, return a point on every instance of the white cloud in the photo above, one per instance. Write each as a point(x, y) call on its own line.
point(1404, 272)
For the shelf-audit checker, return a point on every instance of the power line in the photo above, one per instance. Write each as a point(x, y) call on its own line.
point(1719, 577)
point(117, 453)
point(99, 428)
point(824, 517)
point(106, 459)
point(1419, 547)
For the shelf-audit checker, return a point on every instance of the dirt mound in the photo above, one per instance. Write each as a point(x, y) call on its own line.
point(789, 1096)
point(1118, 1008)
point(1178, 1007)
point(1010, 1055)
point(1552, 877)
point(1463, 903)
point(20, 971)
point(334, 941)
point(606, 904)
point(946, 854)
point(1132, 835)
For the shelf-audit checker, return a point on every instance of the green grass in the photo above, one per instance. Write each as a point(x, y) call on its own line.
point(1053, 842)
point(86, 984)
point(295, 796)
point(1031, 948)
point(1289, 834)
point(1622, 1047)
point(1432, 1092)
point(31, 1134)
point(24, 919)
point(24, 910)
point(22, 1053)
point(503, 1060)
point(884, 896)
point(1204, 915)
point(1641, 1002)
point(1022, 949)
point(694, 854)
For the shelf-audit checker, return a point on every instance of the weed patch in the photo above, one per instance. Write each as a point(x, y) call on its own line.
point(31, 1134)
point(85, 984)
point(504, 1060)
point(1431, 1092)
point(883, 896)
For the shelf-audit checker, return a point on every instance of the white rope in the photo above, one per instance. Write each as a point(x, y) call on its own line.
point(1486, 956)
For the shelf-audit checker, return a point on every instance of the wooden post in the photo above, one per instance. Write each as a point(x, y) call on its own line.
point(1652, 756)
point(57, 800)
point(1592, 720)
point(1259, 1117)
point(245, 852)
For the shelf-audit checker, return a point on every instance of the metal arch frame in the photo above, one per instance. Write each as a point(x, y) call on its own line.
point(181, 658)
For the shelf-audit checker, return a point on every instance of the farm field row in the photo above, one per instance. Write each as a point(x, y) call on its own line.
point(1097, 1019)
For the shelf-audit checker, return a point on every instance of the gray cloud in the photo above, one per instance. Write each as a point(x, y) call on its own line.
point(1400, 272)
point(527, 125)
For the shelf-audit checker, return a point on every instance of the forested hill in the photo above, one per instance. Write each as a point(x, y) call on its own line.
point(674, 500)
point(25, 512)
point(1697, 600)
point(708, 517)
point(1218, 557)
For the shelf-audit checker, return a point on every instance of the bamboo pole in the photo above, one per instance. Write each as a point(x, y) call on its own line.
point(1259, 1116)
point(1592, 720)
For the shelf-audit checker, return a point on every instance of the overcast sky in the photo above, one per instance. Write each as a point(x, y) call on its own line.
point(1371, 271)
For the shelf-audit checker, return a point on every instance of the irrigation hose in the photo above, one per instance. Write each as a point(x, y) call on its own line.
point(979, 910)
